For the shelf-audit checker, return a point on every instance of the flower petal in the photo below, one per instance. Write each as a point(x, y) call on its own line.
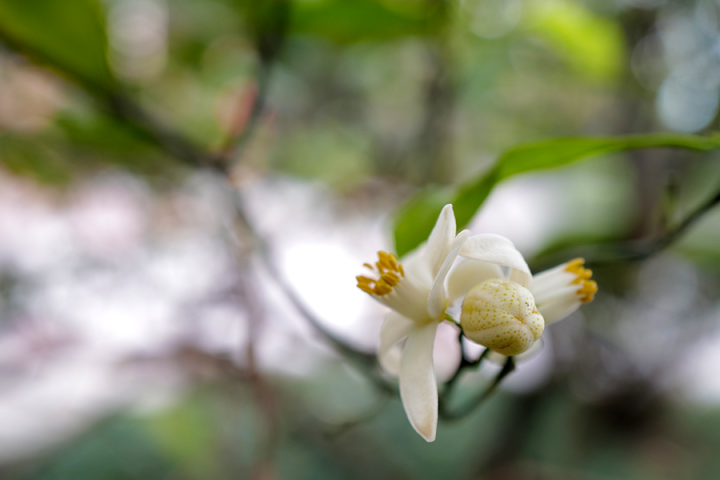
point(440, 239)
point(416, 267)
point(558, 291)
point(501, 251)
point(469, 273)
point(395, 328)
point(558, 309)
point(437, 300)
point(418, 388)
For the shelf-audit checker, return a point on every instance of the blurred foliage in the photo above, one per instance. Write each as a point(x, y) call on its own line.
point(415, 220)
point(23, 155)
point(592, 44)
point(385, 101)
point(555, 437)
point(348, 21)
point(67, 34)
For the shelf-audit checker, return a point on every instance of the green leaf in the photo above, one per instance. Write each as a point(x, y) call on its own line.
point(419, 215)
point(416, 219)
point(25, 156)
point(348, 21)
point(67, 34)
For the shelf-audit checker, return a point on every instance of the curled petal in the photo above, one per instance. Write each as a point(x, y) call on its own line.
point(440, 240)
point(469, 273)
point(395, 328)
point(418, 389)
point(500, 251)
point(437, 300)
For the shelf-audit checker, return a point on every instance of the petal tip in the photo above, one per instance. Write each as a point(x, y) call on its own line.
point(427, 430)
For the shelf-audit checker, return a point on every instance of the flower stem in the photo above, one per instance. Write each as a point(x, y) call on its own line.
point(451, 319)
point(468, 408)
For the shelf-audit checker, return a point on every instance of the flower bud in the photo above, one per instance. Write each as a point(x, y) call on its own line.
point(501, 315)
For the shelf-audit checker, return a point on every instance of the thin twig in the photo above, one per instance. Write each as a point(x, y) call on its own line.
point(636, 249)
point(177, 145)
point(447, 414)
point(465, 364)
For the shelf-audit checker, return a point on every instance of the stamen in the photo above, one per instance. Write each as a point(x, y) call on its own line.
point(390, 272)
point(589, 288)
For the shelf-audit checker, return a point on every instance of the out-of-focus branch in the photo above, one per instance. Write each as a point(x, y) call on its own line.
point(448, 414)
point(113, 100)
point(365, 360)
point(465, 364)
point(636, 249)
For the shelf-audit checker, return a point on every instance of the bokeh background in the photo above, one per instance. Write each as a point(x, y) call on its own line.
point(141, 337)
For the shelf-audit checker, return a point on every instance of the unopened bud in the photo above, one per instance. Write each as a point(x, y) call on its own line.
point(502, 316)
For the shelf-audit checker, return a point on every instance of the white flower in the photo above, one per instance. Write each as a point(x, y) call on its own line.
point(416, 292)
point(505, 308)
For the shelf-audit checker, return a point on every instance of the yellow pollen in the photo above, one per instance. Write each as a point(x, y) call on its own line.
point(589, 287)
point(388, 272)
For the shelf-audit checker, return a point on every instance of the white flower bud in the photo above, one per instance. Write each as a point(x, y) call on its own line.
point(501, 315)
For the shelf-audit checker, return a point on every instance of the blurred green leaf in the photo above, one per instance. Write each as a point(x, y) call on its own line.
point(591, 44)
point(117, 448)
point(68, 34)
point(186, 434)
point(27, 157)
point(347, 21)
point(416, 219)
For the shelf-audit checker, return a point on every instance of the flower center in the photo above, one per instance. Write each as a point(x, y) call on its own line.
point(387, 272)
point(582, 277)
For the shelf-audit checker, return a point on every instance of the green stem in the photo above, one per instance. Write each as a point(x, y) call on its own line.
point(470, 406)
point(451, 319)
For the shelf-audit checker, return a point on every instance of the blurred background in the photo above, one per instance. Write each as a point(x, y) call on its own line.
point(141, 337)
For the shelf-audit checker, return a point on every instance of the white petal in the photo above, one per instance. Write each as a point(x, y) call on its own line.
point(469, 273)
point(395, 328)
point(408, 299)
point(501, 251)
point(441, 237)
point(437, 300)
point(416, 267)
point(549, 281)
point(558, 309)
point(418, 388)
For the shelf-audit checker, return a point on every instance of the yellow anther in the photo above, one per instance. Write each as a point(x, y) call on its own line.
point(389, 270)
point(575, 266)
point(390, 278)
point(364, 283)
point(588, 291)
point(582, 277)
